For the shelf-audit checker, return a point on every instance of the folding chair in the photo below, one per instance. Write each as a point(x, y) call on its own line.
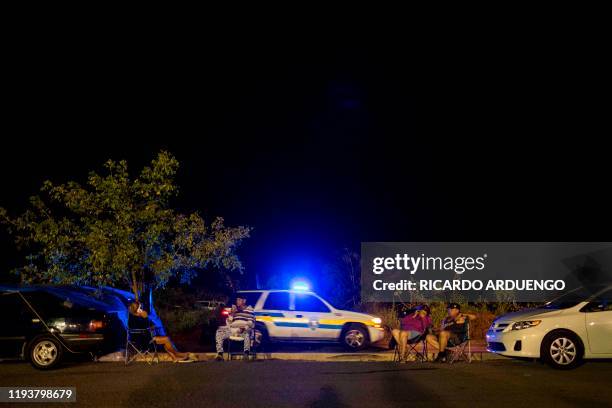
point(411, 349)
point(463, 350)
point(416, 342)
point(141, 343)
point(238, 342)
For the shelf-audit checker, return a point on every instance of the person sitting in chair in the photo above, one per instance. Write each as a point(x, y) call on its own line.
point(412, 326)
point(451, 332)
point(139, 319)
point(240, 322)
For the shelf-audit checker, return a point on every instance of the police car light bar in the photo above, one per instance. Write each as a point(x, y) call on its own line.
point(300, 286)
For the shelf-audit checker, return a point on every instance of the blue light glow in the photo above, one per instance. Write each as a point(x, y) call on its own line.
point(300, 285)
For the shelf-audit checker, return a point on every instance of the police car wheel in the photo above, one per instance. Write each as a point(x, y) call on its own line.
point(257, 337)
point(260, 336)
point(355, 338)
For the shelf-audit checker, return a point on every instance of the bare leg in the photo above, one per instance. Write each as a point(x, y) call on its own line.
point(395, 333)
point(433, 341)
point(403, 341)
point(401, 338)
point(444, 336)
point(169, 347)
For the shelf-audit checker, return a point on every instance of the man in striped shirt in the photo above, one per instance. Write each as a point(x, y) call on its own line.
point(240, 322)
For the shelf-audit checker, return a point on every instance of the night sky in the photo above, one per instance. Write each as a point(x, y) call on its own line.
point(322, 146)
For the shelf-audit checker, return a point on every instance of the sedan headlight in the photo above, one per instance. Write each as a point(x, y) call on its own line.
point(525, 324)
point(377, 320)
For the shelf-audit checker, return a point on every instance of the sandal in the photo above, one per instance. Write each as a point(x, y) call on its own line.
point(185, 360)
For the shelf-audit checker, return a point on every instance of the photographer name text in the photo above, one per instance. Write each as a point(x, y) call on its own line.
point(469, 285)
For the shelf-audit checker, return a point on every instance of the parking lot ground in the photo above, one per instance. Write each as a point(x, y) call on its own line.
point(322, 352)
point(497, 383)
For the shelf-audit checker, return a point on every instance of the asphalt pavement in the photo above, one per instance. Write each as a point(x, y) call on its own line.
point(497, 383)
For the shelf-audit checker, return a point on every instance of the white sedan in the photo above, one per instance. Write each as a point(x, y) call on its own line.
point(573, 327)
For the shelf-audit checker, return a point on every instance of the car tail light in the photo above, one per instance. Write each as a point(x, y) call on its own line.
point(96, 325)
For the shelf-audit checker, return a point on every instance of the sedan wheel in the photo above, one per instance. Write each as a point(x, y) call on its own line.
point(563, 351)
point(45, 353)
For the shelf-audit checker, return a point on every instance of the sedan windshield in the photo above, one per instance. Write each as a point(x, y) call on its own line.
point(572, 298)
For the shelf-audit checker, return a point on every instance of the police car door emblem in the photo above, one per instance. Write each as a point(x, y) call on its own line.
point(313, 324)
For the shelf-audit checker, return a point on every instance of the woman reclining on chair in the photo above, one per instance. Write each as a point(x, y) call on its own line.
point(139, 319)
point(412, 326)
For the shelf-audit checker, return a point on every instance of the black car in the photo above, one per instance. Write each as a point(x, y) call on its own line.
point(44, 326)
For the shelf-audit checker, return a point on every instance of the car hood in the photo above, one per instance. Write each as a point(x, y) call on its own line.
point(528, 313)
point(355, 315)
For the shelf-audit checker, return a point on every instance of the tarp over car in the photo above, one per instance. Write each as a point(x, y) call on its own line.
point(105, 298)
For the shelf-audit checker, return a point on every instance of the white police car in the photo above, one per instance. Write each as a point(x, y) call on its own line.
point(303, 316)
point(573, 327)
